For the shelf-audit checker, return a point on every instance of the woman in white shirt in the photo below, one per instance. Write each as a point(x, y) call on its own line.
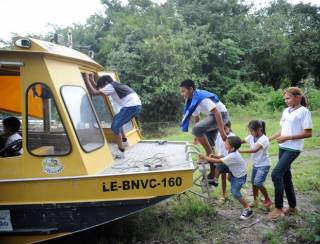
point(296, 124)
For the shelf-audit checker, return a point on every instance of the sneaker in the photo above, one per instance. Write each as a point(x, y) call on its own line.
point(213, 182)
point(267, 203)
point(247, 213)
point(118, 154)
point(209, 176)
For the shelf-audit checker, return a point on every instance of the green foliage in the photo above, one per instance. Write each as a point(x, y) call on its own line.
point(275, 101)
point(222, 45)
point(247, 93)
point(314, 99)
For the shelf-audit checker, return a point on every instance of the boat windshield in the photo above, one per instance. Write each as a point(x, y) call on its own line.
point(83, 118)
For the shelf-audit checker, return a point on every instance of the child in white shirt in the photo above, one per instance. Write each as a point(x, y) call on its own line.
point(221, 150)
point(237, 167)
point(259, 145)
point(11, 126)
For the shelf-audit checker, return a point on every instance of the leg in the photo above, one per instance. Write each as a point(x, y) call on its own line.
point(255, 192)
point(264, 193)
point(259, 178)
point(205, 144)
point(123, 135)
point(120, 119)
point(285, 159)
point(116, 128)
point(224, 184)
point(277, 178)
point(119, 141)
point(236, 185)
point(220, 169)
point(211, 136)
point(289, 189)
point(202, 129)
point(243, 202)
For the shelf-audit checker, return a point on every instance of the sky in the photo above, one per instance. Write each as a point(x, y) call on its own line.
point(32, 16)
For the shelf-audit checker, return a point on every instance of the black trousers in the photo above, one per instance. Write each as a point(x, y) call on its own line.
point(282, 178)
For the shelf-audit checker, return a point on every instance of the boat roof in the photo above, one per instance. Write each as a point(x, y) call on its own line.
point(51, 49)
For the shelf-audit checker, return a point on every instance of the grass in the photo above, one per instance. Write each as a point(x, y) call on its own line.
point(187, 219)
point(239, 127)
point(305, 170)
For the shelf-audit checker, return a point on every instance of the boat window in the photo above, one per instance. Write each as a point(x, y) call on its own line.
point(46, 134)
point(83, 118)
point(103, 111)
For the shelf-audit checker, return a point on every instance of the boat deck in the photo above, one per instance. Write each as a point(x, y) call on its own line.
point(152, 156)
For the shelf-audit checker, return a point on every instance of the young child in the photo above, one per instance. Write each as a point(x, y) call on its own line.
point(259, 144)
point(221, 150)
point(11, 126)
point(237, 168)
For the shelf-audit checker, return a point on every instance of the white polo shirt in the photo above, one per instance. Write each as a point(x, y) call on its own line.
point(206, 106)
point(293, 123)
point(260, 158)
point(220, 144)
point(235, 163)
point(130, 100)
point(13, 138)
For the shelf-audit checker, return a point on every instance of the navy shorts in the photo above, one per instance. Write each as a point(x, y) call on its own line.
point(222, 168)
point(123, 117)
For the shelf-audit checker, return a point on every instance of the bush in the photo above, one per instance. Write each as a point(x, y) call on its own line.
point(313, 97)
point(247, 93)
point(275, 101)
point(240, 94)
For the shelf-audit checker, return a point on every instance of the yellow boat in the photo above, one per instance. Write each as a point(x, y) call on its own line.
point(66, 179)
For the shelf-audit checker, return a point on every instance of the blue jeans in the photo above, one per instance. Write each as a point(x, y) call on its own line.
point(123, 117)
point(259, 175)
point(282, 179)
point(236, 185)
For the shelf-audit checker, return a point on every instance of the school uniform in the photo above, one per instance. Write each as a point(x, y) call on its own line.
point(260, 160)
point(292, 123)
point(129, 101)
point(222, 151)
point(236, 165)
point(14, 137)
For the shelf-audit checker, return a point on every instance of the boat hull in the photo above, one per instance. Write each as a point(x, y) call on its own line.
point(52, 219)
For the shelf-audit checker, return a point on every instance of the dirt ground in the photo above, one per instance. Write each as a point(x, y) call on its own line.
point(224, 226)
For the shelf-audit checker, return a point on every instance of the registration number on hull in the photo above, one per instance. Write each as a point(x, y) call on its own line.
point(138, 184)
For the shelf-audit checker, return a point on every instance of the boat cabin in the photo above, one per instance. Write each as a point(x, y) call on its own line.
point(58, 176)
